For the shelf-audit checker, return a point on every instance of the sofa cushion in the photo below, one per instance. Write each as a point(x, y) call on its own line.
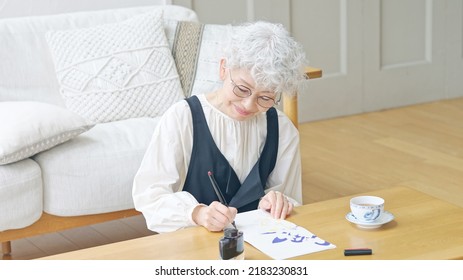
point(197, 50)
point(20, 194)
point(27, 128)
point(94, 172)
point(116, 71)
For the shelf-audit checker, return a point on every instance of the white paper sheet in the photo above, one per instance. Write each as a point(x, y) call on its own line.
point(279, 239)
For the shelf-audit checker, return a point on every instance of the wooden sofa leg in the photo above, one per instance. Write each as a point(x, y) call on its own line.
point(6, 248)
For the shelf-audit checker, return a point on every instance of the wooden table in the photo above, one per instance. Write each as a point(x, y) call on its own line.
point(424, 228)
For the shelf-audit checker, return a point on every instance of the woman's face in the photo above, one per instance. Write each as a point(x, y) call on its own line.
point(239, 97)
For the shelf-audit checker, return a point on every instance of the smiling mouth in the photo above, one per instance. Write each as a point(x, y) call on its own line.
point(241, 111)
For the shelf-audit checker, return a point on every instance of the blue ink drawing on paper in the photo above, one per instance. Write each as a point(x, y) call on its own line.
point(294, 235)
point(279, 239)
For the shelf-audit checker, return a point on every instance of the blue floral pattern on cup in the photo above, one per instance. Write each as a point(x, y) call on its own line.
point(373, 215)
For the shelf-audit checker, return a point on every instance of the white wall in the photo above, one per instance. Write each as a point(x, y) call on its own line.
point(375, 54)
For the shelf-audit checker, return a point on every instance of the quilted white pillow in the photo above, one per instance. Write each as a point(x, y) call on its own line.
point(27, 128)
point(116, 71)
point(215, 38)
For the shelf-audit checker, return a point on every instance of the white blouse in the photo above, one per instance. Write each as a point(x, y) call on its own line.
point(157, 189)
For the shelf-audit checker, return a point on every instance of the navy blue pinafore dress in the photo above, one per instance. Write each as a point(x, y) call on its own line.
point(206, 157)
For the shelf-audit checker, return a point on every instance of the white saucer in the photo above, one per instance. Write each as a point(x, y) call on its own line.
point(385, 218)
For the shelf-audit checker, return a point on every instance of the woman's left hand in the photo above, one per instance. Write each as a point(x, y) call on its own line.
point(277, 204)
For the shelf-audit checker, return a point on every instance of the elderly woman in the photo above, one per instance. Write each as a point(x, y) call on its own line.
point(234, 134)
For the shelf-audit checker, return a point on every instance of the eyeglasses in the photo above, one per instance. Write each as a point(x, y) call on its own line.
point(244, 92)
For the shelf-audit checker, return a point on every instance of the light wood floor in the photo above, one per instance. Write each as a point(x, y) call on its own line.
point(419, 146)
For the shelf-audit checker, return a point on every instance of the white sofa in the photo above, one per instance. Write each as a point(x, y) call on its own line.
point(81, 172)
point(90, 173)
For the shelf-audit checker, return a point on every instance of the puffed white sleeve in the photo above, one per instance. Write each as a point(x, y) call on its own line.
point(157, 184)
point(286, 176)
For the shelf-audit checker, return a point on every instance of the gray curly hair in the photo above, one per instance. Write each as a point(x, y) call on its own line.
point(275, 60)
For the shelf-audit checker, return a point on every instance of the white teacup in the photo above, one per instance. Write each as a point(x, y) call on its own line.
point(367, 208)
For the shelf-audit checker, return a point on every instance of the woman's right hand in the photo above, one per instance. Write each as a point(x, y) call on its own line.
point(214, 217)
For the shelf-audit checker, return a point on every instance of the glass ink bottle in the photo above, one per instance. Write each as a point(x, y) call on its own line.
point(231, 245)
